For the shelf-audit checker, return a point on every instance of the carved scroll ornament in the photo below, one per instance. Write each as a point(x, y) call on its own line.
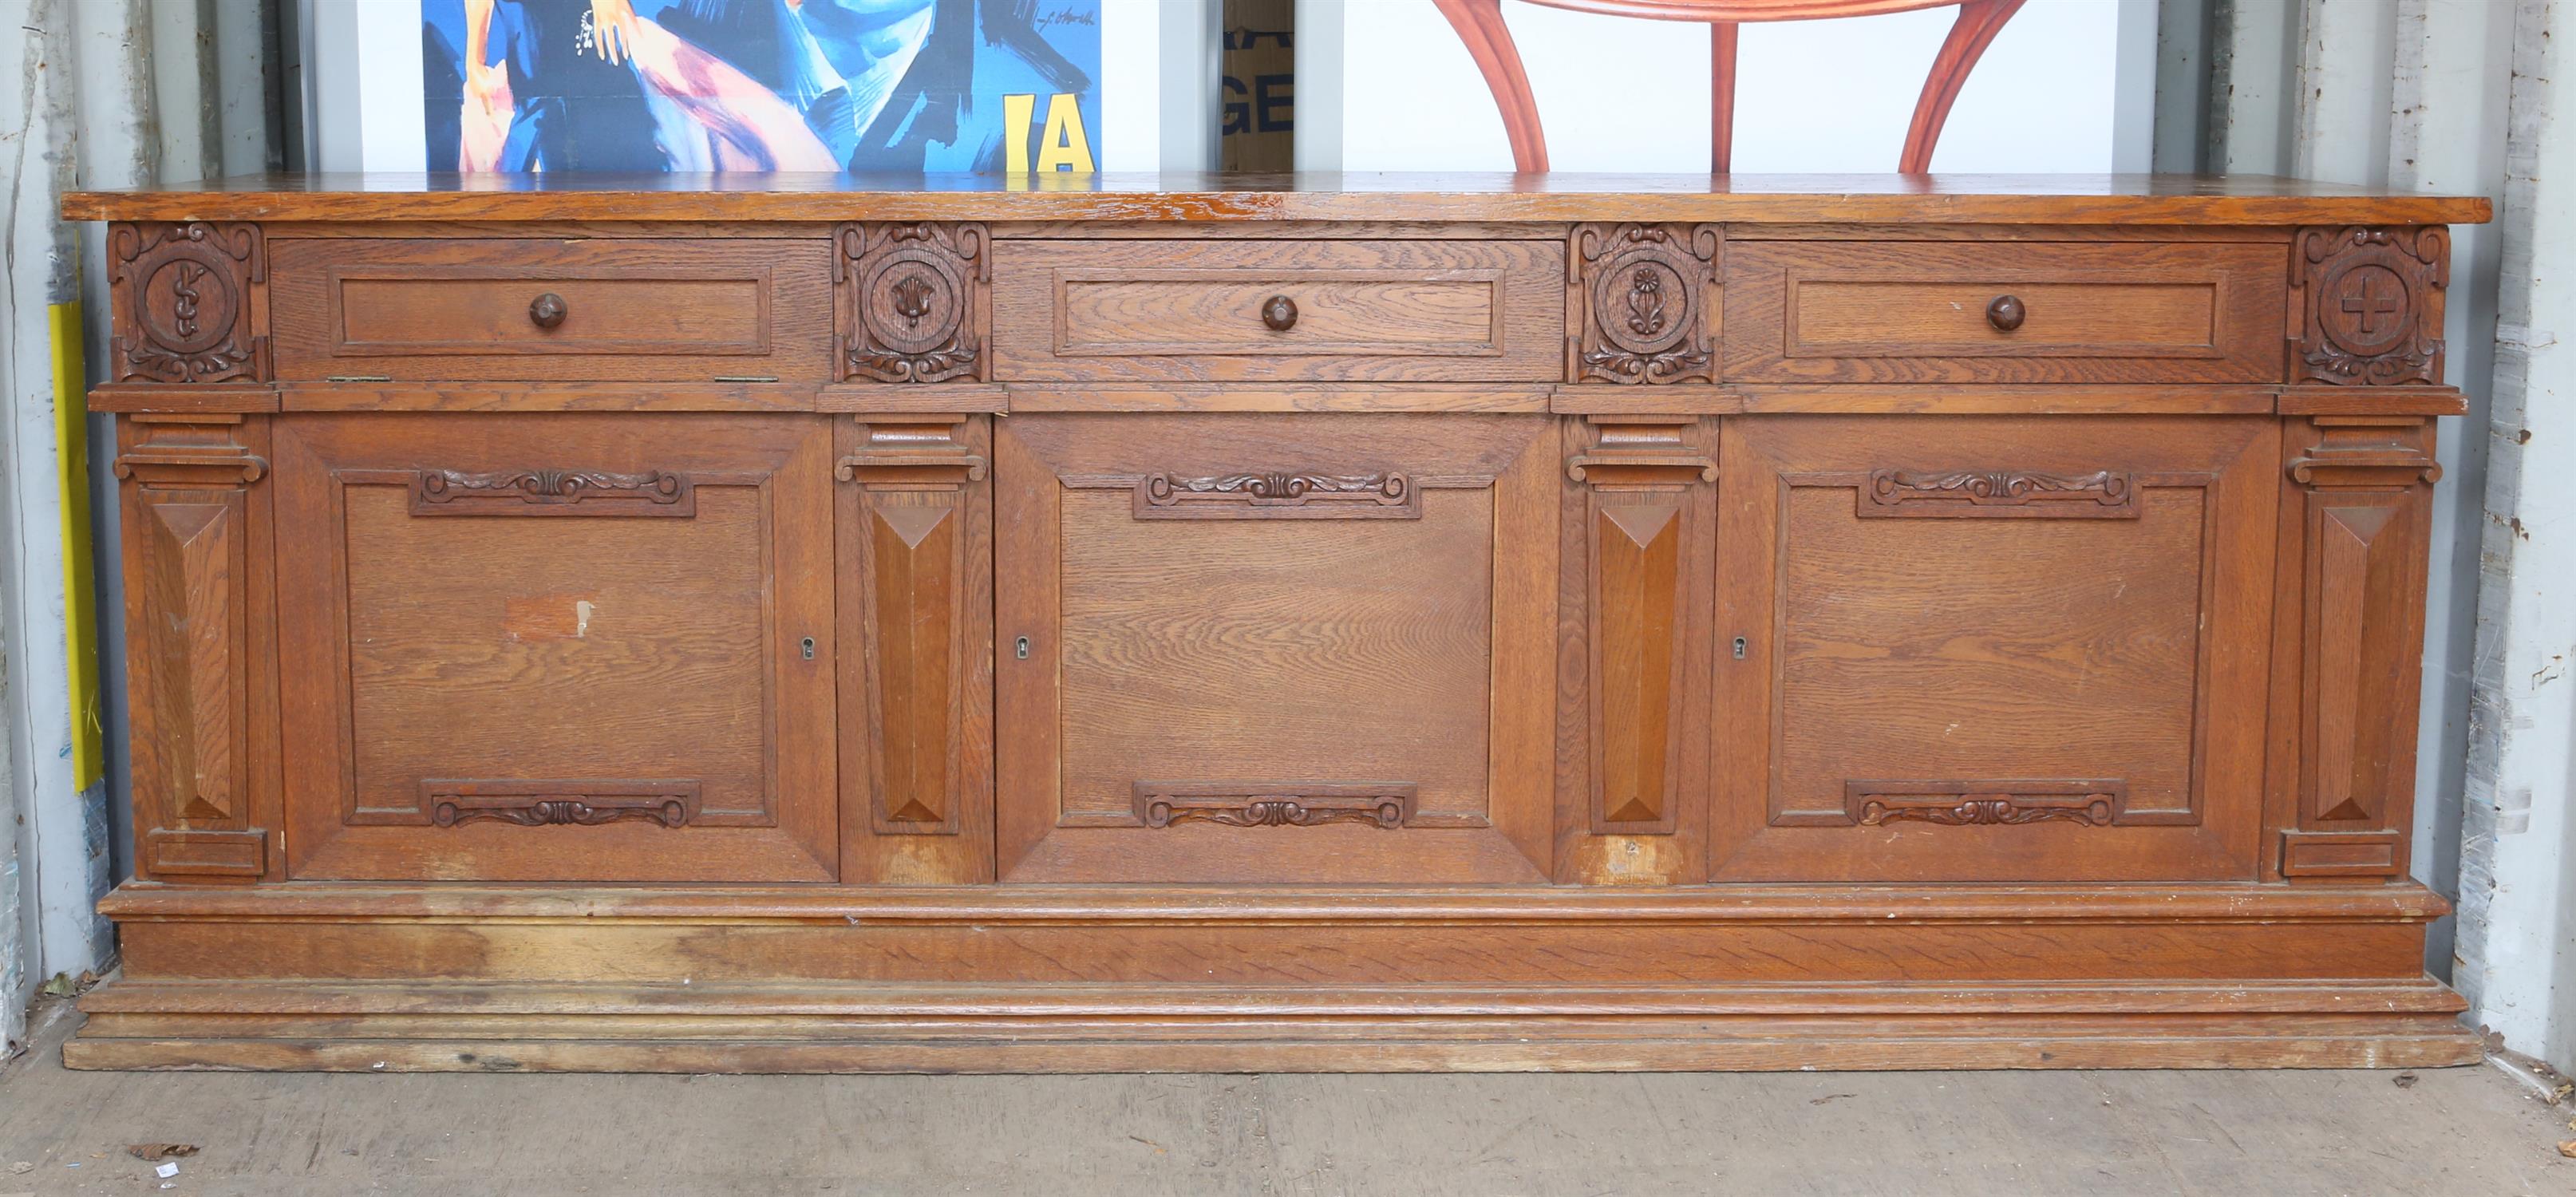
point(2102, 494)
point(1273, 804)
point(552, 492)
point(1985, 803)
point(519, 803)
point(1277, 495)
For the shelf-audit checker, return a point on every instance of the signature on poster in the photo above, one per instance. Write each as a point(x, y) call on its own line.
point(790, 85)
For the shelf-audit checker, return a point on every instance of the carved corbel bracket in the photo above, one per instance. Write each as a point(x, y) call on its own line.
point(196, 451)
point(1643, 299)
point(1630, 451)
point(912, 449)
point(2367, 452)
point(2371, 304)
point(913, 301)
point(182, 298)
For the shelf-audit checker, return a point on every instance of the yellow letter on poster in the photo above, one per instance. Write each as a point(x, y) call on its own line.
point(1068, 147)
point(1016, 111)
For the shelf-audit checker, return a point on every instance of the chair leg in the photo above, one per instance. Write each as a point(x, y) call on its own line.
point(1979, 21)
point(1721, 96)
point(1480, 25)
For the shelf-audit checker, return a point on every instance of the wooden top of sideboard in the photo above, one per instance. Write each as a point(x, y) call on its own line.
point(1800, 199)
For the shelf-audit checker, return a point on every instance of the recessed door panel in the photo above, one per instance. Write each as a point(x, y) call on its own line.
point(1989, 649)
point(1276, 649)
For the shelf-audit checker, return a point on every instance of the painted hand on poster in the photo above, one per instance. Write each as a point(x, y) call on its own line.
point(700, 85)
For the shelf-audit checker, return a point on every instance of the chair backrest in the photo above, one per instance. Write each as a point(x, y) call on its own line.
point(1480, 25)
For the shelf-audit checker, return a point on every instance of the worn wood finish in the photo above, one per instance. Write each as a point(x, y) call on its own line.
point(519, 614)
point(1420, 623)
point(729, 198)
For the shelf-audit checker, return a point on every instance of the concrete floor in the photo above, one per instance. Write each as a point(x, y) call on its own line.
point(2457, 1132)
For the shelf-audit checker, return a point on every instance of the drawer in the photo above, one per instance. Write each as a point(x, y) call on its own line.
point(1825, 311)
point(557, 647)
point(406, 310)
point(1456, 311)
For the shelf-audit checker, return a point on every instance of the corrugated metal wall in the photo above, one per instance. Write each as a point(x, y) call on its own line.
point(111, 93)
point(2467, 97)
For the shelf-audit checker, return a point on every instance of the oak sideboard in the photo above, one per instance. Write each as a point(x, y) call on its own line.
point(764, 623)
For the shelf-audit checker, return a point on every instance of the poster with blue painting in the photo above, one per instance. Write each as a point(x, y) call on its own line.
point(788, 85)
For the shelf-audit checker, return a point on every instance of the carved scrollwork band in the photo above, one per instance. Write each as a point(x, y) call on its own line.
point(2374, 304)
point(1273, 803)
point(453, 802)
point(914, 300)
point(1985, 803)
point(1277, 495)
point(553, 492)
point(1641, 297)
point(2102, 494)
point(182, 298)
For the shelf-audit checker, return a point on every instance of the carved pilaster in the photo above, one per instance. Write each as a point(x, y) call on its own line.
point(1647, 504)
point(917, 525)
point(2371, 300)
point(913, 302)
point(1643, 299)
point(184, 300)
point(192, 666)
point(2357, 514)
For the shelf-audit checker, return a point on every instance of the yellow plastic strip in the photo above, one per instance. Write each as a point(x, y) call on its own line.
point(80, 594)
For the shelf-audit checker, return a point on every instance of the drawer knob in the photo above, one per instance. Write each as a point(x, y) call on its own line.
point(2005, 312)
point(1280, 313)
point(548, 310)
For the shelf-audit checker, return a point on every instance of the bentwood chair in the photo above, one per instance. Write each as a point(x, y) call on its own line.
point(1480, 25)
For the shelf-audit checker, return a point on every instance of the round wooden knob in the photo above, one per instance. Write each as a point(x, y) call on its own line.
point(548, 311)
point(1280, 313)
point(2005, 312)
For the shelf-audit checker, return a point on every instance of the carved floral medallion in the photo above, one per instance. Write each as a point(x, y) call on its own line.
point(1642, 292)
point(914, 298)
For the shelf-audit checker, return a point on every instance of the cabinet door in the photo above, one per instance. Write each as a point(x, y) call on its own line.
point(1285, 648)
point(1995, 649)
point(557, 647)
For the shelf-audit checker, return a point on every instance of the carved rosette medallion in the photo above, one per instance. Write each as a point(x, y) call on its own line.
point(915, 301)
point(2374, 304)
point(1642, 295)
point(182, 299)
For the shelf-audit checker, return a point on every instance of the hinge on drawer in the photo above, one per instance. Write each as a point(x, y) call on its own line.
point(356, 378)
point(746, 378)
